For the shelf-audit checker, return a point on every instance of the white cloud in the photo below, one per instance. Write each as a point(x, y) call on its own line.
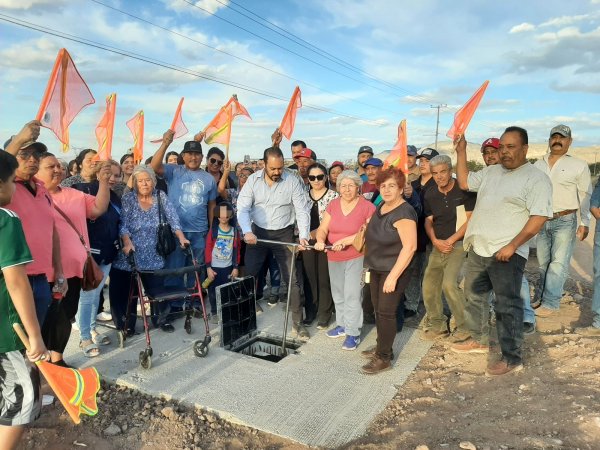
point(27, 4)
point(211, 6)
point(568, 20)
point(525, 26)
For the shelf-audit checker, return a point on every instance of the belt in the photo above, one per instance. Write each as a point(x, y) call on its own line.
point(566, 212)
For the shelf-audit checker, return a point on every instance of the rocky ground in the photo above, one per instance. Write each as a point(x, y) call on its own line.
point(446, 403)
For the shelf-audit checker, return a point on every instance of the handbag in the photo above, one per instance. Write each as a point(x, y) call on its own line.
point(165, 243)
point(359, 239)
point(92, 274)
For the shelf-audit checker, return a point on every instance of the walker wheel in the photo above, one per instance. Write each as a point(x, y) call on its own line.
point(188, 325)
point(200, 349)
point(145, 360)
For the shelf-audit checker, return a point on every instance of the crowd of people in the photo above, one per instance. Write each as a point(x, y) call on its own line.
point(375, 243)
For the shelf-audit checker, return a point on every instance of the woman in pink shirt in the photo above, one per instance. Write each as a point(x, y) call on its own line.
point(342, 219)
point(78, 207)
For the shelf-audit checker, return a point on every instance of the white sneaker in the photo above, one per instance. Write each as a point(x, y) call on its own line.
point(104, 316)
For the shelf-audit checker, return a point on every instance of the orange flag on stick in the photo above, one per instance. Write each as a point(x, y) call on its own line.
point(75, 388)
point(219, 129)
point(289, 118)
point(177, 126)
point(464, 115)
point(105, 128)
point(66, 95)
point(136, 126)
point(398, 156)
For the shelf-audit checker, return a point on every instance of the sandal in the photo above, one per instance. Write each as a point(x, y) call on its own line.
point(90, 349)
point(100, 339)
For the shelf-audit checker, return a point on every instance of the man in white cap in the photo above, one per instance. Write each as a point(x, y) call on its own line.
point(571, 192)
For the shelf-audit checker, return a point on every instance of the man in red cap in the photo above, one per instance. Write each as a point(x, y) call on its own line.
point(304, 160)
point(489, 151)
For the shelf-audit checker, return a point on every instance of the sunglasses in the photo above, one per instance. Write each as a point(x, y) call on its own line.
point(26, 155)
point(215, 161)
point(316, 177)
point(243, 175)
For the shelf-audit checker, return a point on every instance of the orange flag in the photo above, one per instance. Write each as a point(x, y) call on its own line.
point(65, 96)
point(136, 126)
point(76, 389)
point(398, 156)
point(219, 129)
point(464, 115)
point(289, 118)
point(105, 128)
point(177, 126)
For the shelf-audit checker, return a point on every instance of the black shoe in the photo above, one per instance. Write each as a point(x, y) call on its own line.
point(167, 328)
point(409, 313)
point(308, 321)
point(528, 328)
point(130, 333)
point(272, 302)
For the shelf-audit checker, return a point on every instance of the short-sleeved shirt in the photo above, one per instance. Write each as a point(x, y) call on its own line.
point(37, 217)
point(341, 226)
point(506, 198)
point(445, 209)
point(382, 239)
point(189, 192)
point(222, 254)
point(13, 252)
point(78, 207)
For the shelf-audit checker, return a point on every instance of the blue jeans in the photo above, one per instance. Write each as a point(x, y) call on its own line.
point(88, 307)
point(596, 296)
point(528, 313)
point(483, 274)
point(179, 259)
point(42, 296)
point(555, 244)
point(223, 277)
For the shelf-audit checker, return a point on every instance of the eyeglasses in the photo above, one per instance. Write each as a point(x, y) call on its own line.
point(26, 155)
point(316, 177)
point(215, 161)
point(243, 175)
point(344, 187)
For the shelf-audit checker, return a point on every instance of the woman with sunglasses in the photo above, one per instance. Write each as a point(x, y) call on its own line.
point(214, 166)
point(315, 263)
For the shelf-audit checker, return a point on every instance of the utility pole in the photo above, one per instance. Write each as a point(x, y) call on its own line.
point(437, 124)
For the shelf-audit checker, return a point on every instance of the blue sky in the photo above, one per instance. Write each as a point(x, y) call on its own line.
point(397, 59)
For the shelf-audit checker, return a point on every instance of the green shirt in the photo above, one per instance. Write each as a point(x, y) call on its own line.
point(13, 252)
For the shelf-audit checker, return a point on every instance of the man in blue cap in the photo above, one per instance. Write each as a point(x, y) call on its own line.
point(414, 172)
point(372, 168)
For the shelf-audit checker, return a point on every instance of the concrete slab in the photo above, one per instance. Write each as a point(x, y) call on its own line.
point(317, 397)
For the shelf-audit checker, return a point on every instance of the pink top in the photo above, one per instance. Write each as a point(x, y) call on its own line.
point(341, 226)
point(37, 218)
point(78, 207)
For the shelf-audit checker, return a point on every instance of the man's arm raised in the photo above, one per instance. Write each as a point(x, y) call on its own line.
point(159, 156)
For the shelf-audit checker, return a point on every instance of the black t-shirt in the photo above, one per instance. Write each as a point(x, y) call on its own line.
point(382, 240)
point(443, 208)
point(422, 238)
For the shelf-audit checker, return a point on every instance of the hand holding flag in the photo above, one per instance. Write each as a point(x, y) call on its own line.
point(463, 116)
point(219, 129)
point(105, 129)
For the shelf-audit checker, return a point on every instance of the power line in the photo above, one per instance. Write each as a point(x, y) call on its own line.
point(294, 52)
point(313, 48)
point(184, 36)
point(166, 65)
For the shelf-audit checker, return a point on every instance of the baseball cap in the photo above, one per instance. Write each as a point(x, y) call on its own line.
point(365, 149)
point(428, 153)
point(192, 147)
point(563, 130)
point(337, 164)
point(411, 150)
point(491, 142)
point(373, 162)
point(305, 153)
point(37, 146)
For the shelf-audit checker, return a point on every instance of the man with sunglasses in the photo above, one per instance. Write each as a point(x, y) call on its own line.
point(193, 191)
point(34, 206)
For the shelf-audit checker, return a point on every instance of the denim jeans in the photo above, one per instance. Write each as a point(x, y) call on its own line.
point(223, 277)
point(528, 313)
point(179, 259)
point(596, 295)
point(88, 307)
point(483, 274)
point(42, 296)
point(413, 294)
point(441, 275)
point(555, 243)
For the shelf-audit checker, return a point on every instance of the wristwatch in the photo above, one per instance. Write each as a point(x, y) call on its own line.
point(60, 280)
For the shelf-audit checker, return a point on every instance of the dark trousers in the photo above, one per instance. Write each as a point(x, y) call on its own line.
point(482, 275)
point(121, 284)
point(42, 296)
point(223, 276)
point(57, 326)
point(317, 272)
point(270, 265)
point(257, 254)
point(386, 306)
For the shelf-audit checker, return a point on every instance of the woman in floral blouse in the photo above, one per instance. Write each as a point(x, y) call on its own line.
point(315, 263)
point(138, 231)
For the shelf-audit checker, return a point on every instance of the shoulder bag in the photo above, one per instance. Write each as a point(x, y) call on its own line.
point(92, 275)
point(165, 243)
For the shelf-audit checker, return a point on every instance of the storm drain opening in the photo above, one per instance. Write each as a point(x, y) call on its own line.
point(236, 303)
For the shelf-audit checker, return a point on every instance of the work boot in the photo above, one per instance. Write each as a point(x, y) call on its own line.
point(301, 330)
point(375, 366)
point(432, 335)
point(370, 353)
point(502, 367)
point(470, 346)
point(544, 312)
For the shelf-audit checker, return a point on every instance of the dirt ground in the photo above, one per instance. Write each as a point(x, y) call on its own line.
point(446, 403)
